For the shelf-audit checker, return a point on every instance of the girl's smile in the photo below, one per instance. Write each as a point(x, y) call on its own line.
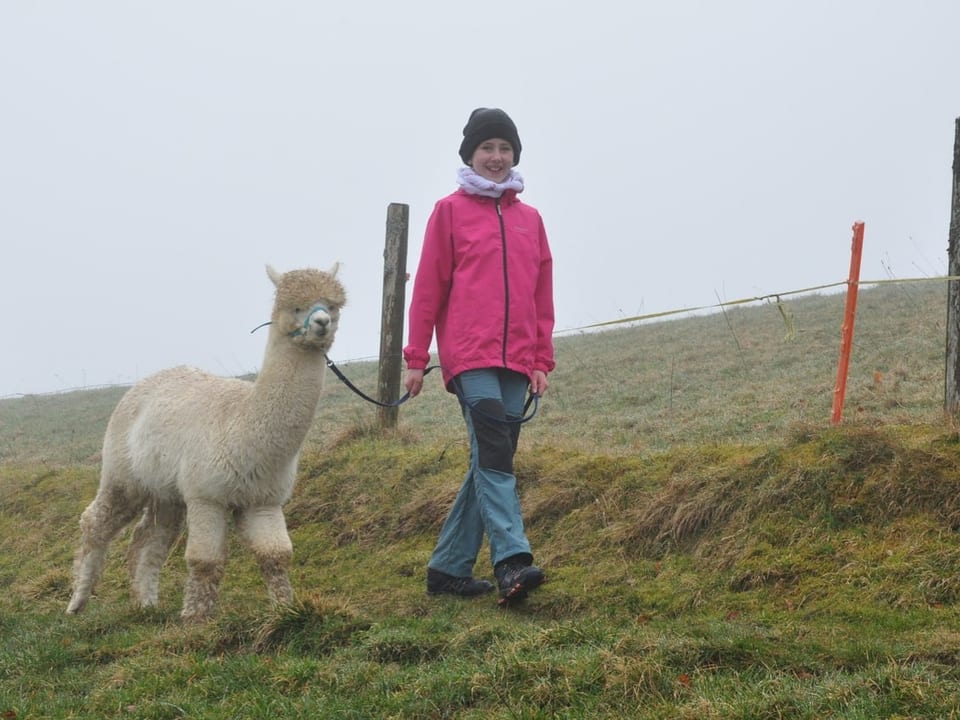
point(493, 159)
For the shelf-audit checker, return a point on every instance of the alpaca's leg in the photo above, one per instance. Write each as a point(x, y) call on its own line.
point(149, 548)
point(110, 511)
point(206, 557)
point(265, 532)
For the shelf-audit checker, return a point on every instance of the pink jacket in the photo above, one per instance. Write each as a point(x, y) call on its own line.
point(485, 282)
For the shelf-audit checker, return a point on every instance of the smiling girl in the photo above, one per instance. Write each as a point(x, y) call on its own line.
point(484, 284)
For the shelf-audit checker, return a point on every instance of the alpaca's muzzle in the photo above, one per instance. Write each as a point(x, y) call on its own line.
point(318, 321)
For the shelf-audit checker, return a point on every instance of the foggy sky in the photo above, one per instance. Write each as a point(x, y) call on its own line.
point(155, 156)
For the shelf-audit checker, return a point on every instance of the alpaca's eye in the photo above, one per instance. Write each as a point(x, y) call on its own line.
point(296, 310)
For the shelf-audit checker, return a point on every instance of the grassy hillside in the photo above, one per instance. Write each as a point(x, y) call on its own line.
point(714, 548)
point(746, 375)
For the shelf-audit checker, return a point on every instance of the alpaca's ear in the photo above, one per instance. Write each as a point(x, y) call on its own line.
point(334, 270)
point(274, 275)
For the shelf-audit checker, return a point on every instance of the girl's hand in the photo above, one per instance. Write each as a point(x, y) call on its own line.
point(413, 382)
point(539, 383)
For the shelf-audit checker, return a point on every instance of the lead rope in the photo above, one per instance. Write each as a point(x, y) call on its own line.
point(534, 398)
point(343, 378)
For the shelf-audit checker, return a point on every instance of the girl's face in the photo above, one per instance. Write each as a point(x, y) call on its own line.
point(493, 159)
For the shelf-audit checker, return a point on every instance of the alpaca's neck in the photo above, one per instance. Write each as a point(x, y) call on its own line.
point(283, 401)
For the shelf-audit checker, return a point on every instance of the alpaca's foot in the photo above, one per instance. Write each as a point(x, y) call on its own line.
point(193, 612)
point(77, 604)
point(203, 587)
point(143, 603)
point(145, 590)
point(195, 618)
point(78, 600)
point(277, 579)
point(282, 594)
point(86, 572)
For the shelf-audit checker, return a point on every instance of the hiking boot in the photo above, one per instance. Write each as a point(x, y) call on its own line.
point(517, 577)
point(439, 583)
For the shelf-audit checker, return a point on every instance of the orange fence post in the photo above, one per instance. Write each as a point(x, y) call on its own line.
point(846, 332)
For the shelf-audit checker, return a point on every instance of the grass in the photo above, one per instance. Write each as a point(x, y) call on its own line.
point(715, 549)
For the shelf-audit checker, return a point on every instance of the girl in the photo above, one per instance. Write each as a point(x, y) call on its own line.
point(484, 284)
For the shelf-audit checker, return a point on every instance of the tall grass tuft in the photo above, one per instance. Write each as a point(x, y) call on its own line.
point(311, 625)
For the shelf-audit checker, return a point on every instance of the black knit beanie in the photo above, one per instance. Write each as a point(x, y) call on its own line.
point(486, 123)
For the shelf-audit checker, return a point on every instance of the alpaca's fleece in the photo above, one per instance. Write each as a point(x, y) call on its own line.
point(184, 446)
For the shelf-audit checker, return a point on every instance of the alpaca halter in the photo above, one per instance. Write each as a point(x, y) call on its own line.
point(306, 322)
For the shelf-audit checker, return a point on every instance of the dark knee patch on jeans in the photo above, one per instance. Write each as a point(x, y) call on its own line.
point(495, 445)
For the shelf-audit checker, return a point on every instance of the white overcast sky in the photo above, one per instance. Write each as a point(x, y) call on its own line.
point(155, 155)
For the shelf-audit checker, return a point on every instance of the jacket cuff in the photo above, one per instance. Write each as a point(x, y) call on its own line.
point(416, 360)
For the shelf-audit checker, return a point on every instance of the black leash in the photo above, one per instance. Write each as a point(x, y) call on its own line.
point(534, 398)
point(346, 381)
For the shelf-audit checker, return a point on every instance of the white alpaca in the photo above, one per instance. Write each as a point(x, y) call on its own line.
point(183, 443)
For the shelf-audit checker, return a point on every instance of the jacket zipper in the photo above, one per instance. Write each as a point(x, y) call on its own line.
point(506, 281)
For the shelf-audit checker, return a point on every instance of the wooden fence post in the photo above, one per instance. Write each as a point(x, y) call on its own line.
point(391, 321)
point(952, 385)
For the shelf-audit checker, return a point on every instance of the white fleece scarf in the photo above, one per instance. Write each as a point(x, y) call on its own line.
point(475, 184)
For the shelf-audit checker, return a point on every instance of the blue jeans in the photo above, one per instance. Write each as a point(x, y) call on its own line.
point(487, 501)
